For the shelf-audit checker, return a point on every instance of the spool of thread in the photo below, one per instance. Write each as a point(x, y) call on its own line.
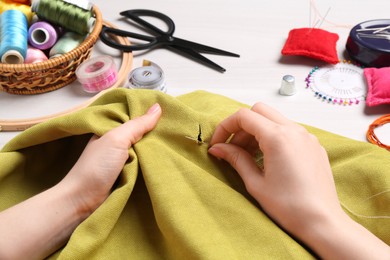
point(34, 55)
point(66, 43)
point(68, 16)
point(149, 76)
point(13, 37)
point(97, 74)
point(42, 35)
point(6, 5)
point(84, 4)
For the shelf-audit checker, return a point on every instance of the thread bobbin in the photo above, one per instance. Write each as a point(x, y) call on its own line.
point(97, 74)
point(64, 14)
point(42, 35)
point(13, 35)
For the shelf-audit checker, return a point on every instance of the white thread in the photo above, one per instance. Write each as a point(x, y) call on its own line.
point(313, 5)
point(83, 4)
point(376, 195)
point(363, 216)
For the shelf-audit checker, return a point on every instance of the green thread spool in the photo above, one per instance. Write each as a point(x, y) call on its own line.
point(66, 15)
point(66, 43)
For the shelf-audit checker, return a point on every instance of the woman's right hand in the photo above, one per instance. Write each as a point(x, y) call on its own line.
point(295, 186)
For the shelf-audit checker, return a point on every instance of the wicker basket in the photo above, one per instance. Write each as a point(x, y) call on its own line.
point(26, 79)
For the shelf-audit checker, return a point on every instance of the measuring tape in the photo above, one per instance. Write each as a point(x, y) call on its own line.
point(149, 76)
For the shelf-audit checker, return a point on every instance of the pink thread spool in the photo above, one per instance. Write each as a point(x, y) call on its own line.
point(34, 55)
point(97, 74)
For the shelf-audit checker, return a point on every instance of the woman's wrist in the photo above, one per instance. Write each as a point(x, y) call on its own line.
point(337, 236)
point(78, 197)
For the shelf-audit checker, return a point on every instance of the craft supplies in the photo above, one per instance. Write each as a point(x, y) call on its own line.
point(372, 137)
point(66, 15)
point(6, 5)
point(378, 83)
point(149, 76)
point(34, 55)
point(369, 43)
point(66, 43)
point(161, 38)
point(50, 75)
point(288, 86)
point(13, 37)
point(42, 35)
point(313, 43)
point(341, 84)
point(21, 124)
point(97, 74)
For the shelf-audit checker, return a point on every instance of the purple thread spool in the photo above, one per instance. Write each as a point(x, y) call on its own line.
point(42, 35)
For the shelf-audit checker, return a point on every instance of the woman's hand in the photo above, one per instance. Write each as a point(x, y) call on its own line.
point(295, 186)
point(50, 217)
point(104, 157)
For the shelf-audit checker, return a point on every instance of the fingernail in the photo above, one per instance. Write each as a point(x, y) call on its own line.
point(153, 109)
point(215, 152)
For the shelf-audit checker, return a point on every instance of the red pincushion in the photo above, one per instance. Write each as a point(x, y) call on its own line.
point(312, 42)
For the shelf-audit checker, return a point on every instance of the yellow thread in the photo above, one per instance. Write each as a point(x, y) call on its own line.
point(8, 5)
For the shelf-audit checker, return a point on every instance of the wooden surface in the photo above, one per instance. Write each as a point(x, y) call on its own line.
point(255, 29)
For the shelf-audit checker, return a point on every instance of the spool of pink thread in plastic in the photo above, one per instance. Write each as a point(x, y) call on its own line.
point(97, 74)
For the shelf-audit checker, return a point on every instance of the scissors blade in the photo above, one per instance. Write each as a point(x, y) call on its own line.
point(201, 48)
point(196, 56)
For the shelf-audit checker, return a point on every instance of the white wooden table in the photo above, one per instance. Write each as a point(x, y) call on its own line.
point(255, 29)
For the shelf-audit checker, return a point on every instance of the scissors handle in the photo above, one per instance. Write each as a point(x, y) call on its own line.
point(106, 31)
point(136, 14)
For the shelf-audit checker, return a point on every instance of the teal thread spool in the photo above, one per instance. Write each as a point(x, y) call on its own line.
point(68, 16)
point(66, 43)
point(13, 37)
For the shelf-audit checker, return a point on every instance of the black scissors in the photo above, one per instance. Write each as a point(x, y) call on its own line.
point(161, 38)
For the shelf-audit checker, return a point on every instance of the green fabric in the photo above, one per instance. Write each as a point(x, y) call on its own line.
point(173, 200)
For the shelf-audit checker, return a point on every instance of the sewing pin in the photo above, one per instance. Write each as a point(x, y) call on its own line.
point(320, 21)
point(382, 29)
